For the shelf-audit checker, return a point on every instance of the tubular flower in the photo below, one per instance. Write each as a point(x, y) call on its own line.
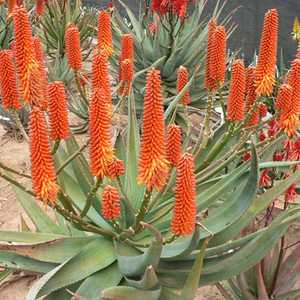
point(218, 62)
point(284, 97)
point(104, 33)
point(27, 66)
point(173, 144)
point(153, 165)
point(265, 180)
point(184, 214)
point(110, 203)
point(290, 106)
point(291, 194)
point(58, 111)
point(11, 4)
point(294, 82)
point(126, 77)
point(40, 7)
point(42, 168)
point(182, 81)
point(251, 96)
point(100, 74)
point(39, 55)
point(265, 69)
point(116, 168)
point(8, 81)
point(235, 107)
point(209, 82)
point(73, 50)
point(101, 151)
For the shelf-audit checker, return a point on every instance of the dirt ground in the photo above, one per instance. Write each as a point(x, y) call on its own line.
point(16, 155)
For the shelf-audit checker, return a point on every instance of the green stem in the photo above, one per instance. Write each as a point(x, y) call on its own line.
point(125, 197)
point(73, 156)
point(19, 124)
point(81, 92)
point(55, 147)
point(2, 166)
point(204, 136)
point(91, 195)
point(142, 211)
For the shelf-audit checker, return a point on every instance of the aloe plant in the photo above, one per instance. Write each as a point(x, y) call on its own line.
point(175, 42)
point(137, 250)
point(76, 252)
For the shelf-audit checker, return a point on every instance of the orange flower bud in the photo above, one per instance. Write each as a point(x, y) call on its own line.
point(294, 82)
point(182, 81)
point(8, 82)
point(104, 33)
point(110, 203)
point(153, 165)
point(236, 103)
point(101, 151)
point(116, 168)
point(184, 214)
point(73, 50)
point(266, 65)
point(58, 111)
point(42, 168)
point(173, 144)
point(127, 47)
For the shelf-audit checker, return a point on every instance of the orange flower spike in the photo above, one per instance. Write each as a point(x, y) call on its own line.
point(73, 50)
point(173, 144)
point(111, 208)
point(153, 165)
point(42, 167)
point(100, 74)
point(210, 56)
point(40, 57)
point(8, 81)
point(27, 66)
point(40, 7)
point(58, 111)
point(266, 65)
point(126, 77)
point(182, 81)
point(218, 62)
point(236, 103)
point(184, 214)
point(294, 81)
point(101, 151)
point(104, 33)
point(251, 96)
point(284, 97)
point(127, 47)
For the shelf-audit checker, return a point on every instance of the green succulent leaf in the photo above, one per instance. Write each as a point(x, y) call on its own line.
point(191, 285)
point(92, 286)
point(129, 293)
point(149, 280)
point(95, 256)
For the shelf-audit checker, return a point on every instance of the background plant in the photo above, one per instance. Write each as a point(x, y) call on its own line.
point(87, 251)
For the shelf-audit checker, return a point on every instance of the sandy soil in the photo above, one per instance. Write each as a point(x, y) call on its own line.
point(16, 155)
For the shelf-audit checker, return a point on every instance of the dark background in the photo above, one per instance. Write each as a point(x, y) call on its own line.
point(249, 18)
